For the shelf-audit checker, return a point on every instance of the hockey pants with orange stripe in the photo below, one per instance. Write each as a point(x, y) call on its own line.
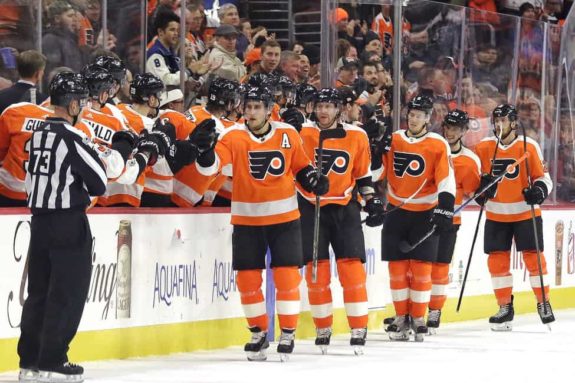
point(287, 280)
point(352, 277)
point(499, 263)
point(410, 282)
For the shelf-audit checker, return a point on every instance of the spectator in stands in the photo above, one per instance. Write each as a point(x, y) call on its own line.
point(31, 65)
point(487, 67)
point(271, 52)
point(162, 6)
point(348, 29)
point(342, 47)
point(194, 20)
point(297, 47)
point(438, 114)
point(224, 52)
point(313, 54)
point(483, 11)
point(289, 65)
point(551, 11)
point(420, 54)
point(252, 61)
point(304, 67)
point(373, 44)
point(5, 83)
point(60, 42)
point(228, 14)
point(530, 51)
point(346, 72)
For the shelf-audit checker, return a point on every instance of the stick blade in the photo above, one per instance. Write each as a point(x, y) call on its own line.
point(332, 133)
point(405, 247)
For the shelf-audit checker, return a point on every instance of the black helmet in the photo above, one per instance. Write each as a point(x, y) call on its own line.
point(331, 95)
point(504, 110)
point(113, 65)
point(145, 85)
point(222, 91)
point(347, 95)
point(98, 79)
point(258, 94)
point(304, 94)
point(422, 103)
point(259, 80)
point(67, 86)
point(456, 117)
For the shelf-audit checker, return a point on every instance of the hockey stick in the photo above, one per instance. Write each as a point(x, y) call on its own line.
point(406, 247)
point(323, 135)
point(404, 201)
point(535, 234)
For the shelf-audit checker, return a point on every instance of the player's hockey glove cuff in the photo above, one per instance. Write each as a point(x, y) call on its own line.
point(486, 179)
point(536, 194)
point(150, 146)
point(375, 212)
point(443, 214)
point(310, 182)
point(204, 135)
point(124, 141)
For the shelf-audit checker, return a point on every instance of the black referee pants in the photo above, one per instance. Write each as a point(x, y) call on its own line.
point(59, 268)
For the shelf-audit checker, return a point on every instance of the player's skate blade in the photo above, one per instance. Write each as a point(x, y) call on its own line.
point(323, 337)
point(502, 320)
point(68, 372)
point(546, 314)
point(256, 348)
point(433, 320)
point(28, 375)
point(286, 344)
point(399, 329)
point(357, 340)
point(501, 327)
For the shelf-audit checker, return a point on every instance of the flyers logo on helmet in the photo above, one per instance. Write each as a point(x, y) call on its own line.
point(410, 163)
point(336, 160)
point(262, 163)
point(501, 164)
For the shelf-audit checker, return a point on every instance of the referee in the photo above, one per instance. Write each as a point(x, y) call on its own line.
point(63, 172)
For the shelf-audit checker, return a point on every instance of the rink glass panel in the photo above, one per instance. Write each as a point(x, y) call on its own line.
point(510, 60)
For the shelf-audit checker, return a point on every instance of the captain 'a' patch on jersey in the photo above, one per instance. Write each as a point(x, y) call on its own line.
point(333, 160)
point(408, 163)
point(500, 166)
point(264, 162)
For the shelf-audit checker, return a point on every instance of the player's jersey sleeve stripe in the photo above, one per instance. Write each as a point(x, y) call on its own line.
point(262, 209)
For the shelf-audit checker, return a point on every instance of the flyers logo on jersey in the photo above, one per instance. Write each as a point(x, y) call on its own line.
point(410, 163)
point(501, 164)
point(262, 163)
point(336, 160)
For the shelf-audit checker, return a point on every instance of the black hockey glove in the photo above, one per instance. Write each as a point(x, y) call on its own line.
point(486, 179)
point(536, 194)
point(293, 117)
point(166, 127)
point(181, 154)
point(443, 212)
point(124, 142)
point(150, 145)
point(375, 212)
point(372, 128)
point(204, 136)
point(308, 179)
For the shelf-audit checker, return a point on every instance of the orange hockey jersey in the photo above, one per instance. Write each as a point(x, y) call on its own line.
point(263, 171)
point(412, 162)
point(508, 204)
point(17, 123)
point(344, 161)
point(384, 28)
point(467, 177)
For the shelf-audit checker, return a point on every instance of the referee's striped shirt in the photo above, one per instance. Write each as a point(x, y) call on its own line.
point(64, 168)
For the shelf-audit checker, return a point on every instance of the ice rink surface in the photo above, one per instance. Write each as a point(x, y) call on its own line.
point(462, 352)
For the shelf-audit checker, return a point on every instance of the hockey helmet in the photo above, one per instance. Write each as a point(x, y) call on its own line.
point(222, 92)
point(456, 117)
point(67, 86)
point(421, 102)
point(98, 79)
point(347, 95)
point(145, 85)
point(504, 110)
point(259, 80)
point(258, 94)
point(115, 66)
point(304, 94)
point(330, 95)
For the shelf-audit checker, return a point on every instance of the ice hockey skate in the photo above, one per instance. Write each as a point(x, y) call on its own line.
point(387, 322)
point(419, 328)
point(257, 347)
point(323, 336)
point(68, 372)
point(399, 329)
point(357, 340)
point(433, 320)
point(286, 344)
point(28, 375)
point(545, 313)
point(502, 320)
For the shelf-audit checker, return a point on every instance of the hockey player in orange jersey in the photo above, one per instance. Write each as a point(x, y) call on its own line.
point(508, 213)
point(17, 124)
point(346, 162)
point(421, 194)
point(299, 113)
point(223, 98)
point(467, 169)
point(264, 158)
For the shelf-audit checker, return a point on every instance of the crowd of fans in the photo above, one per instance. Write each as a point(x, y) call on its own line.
point(499, 57)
